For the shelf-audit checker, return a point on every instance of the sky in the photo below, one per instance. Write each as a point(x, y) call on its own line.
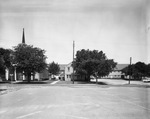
point(120, 28)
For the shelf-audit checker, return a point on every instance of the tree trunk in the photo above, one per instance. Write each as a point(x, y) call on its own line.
point(87, 78)
point(96, 80)
point(29, 77)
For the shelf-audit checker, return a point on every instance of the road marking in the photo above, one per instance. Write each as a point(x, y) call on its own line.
point(49, 106)
point(74, 116)
point(19, 100)
point(64, 105)
point(28, 115)
point(29, 93)
point(130, 102)
point(54, 82)
point(127, 101)
point(2, 111)
point(133, 103)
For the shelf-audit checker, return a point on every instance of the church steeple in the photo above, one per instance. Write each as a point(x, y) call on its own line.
point(23, 37)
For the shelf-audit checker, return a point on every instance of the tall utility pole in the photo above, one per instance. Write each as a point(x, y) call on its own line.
point(130, 69)
point(73, 62)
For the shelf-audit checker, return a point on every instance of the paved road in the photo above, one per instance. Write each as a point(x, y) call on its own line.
point(122, 82)
point(79, 101)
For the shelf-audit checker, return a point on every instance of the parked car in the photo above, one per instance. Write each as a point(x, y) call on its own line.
point(146, 79)
point(92, 77)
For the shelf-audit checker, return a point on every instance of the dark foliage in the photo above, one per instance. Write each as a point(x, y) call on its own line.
point(53, 68)
point(92, 63)
point(29, 59)
point(138, 70)
point(5, 60)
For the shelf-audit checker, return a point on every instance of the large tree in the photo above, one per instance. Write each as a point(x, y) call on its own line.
point(148, 70)
point(128, 70)
point(92, 63)
point(29, 59)
point(137, 70)
point(53, 68)
point(140, 70)
point(5, 60)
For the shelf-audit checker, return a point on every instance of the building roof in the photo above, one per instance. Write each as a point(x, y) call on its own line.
point(120, 66)
point(69, 65)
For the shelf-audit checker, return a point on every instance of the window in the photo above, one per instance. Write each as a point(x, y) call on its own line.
point(68, 68)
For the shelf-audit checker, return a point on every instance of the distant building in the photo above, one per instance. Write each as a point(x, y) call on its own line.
point(62, 71)
point(69, 73)
point(44, 74)
point(117, 72)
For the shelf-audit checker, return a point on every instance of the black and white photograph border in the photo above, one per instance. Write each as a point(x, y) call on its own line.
point(76, 59)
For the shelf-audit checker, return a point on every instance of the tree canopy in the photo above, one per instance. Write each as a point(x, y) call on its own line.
point(5, 56)
point(29, 59)
point(148, 70)
point(92, 63)
point(5, 59)
point(53, 68)
point(137, 70)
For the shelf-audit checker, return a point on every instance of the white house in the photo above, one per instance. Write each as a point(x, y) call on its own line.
point(62, 71)
point(117, 72)
point(68, 72)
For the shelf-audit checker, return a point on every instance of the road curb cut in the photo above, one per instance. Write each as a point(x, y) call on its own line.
point(54, 82)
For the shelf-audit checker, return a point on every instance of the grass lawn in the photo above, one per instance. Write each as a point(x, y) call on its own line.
point(80, 82)
point(8, 86)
